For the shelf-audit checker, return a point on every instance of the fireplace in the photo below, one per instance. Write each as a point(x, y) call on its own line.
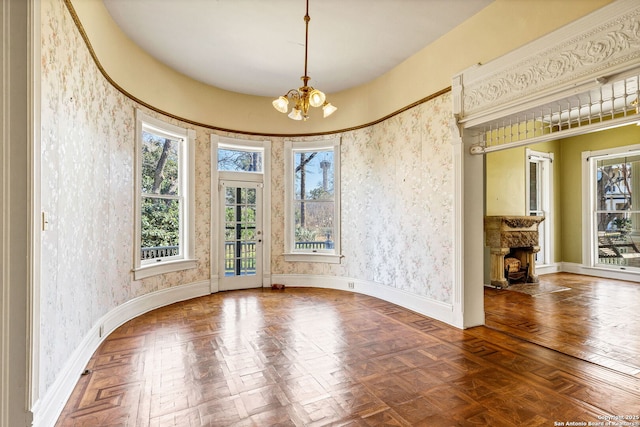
point(512, 237)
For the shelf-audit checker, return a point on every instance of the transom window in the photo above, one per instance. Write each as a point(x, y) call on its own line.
point(313, 201)
point(235, 158)
point(164, 224)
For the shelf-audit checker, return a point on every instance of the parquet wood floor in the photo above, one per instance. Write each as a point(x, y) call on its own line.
point(597, 320)
point(315, 357)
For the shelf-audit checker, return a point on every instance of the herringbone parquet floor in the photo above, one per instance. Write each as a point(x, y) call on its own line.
point(314, 357)
point(595, 319)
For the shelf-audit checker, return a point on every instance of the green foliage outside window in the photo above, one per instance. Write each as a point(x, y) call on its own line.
point(160, 187)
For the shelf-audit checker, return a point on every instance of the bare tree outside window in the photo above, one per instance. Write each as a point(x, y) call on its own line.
point(239, 160)
point(314, 199)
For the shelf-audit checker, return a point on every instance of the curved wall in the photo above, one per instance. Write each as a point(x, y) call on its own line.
point(396, 185)
point(501, 27)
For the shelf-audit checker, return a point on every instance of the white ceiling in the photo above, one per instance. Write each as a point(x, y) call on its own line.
point(257, 46)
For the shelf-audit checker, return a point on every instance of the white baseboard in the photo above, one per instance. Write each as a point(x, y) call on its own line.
point(548, 269)
point(420, 304)
point(50, 406)
point(570, 267)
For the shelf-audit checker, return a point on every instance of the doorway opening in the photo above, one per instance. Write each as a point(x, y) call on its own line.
point(241, 235)
point(518, 102)
point(539, 200)
point(240, 216)
point(578, 308)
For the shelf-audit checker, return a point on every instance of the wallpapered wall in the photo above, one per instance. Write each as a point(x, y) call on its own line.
point(396, 199)
point(88, 138)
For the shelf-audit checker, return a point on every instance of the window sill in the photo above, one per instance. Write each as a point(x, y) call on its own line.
point(313, 257)
point(162, 268)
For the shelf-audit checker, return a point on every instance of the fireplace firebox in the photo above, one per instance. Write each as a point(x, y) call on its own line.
point(512, 237)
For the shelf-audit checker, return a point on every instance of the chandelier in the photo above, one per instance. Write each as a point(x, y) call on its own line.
point(304, 96)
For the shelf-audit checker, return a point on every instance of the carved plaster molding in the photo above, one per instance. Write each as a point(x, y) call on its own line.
point(583, 51)
point(520, 222)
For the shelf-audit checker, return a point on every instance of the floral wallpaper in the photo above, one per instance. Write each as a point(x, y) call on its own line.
point(396, 198)
point(397, 203)
point(87, 167)
point(88, 140)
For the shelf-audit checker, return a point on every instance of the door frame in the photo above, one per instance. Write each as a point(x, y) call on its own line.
point(216, 176)
point(546, 181)
point(241, 282)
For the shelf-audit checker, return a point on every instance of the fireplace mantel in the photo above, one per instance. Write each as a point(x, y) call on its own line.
point(517, 235)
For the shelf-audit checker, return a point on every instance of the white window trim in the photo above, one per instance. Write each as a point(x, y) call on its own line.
point(187, 170)
point(589, 247)
point(334, 256)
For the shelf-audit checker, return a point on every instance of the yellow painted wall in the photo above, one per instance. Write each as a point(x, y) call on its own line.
point(505, 185)
point(571, 175)
point(480, 39)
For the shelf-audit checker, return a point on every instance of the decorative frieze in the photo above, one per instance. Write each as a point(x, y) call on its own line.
point(615, 42)
point(554, 62)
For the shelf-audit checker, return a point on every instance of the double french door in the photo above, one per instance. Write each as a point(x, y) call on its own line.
point(241, 235)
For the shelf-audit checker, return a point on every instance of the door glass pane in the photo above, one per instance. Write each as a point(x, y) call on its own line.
point(240, 231)
point(248, 214)
point(533, 186)
point(230, 196)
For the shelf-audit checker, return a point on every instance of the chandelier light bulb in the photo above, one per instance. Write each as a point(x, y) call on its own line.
point(316, 98)
point(281, 104)
point(328, 109)
point(295, 114)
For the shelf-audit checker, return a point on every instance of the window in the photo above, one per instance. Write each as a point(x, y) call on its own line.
point(165, 197)
point(614, 208)
point(312, 186)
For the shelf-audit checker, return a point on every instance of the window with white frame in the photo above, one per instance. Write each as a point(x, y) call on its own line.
point(612, 236)
point(164, 197)
point(312, 197)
